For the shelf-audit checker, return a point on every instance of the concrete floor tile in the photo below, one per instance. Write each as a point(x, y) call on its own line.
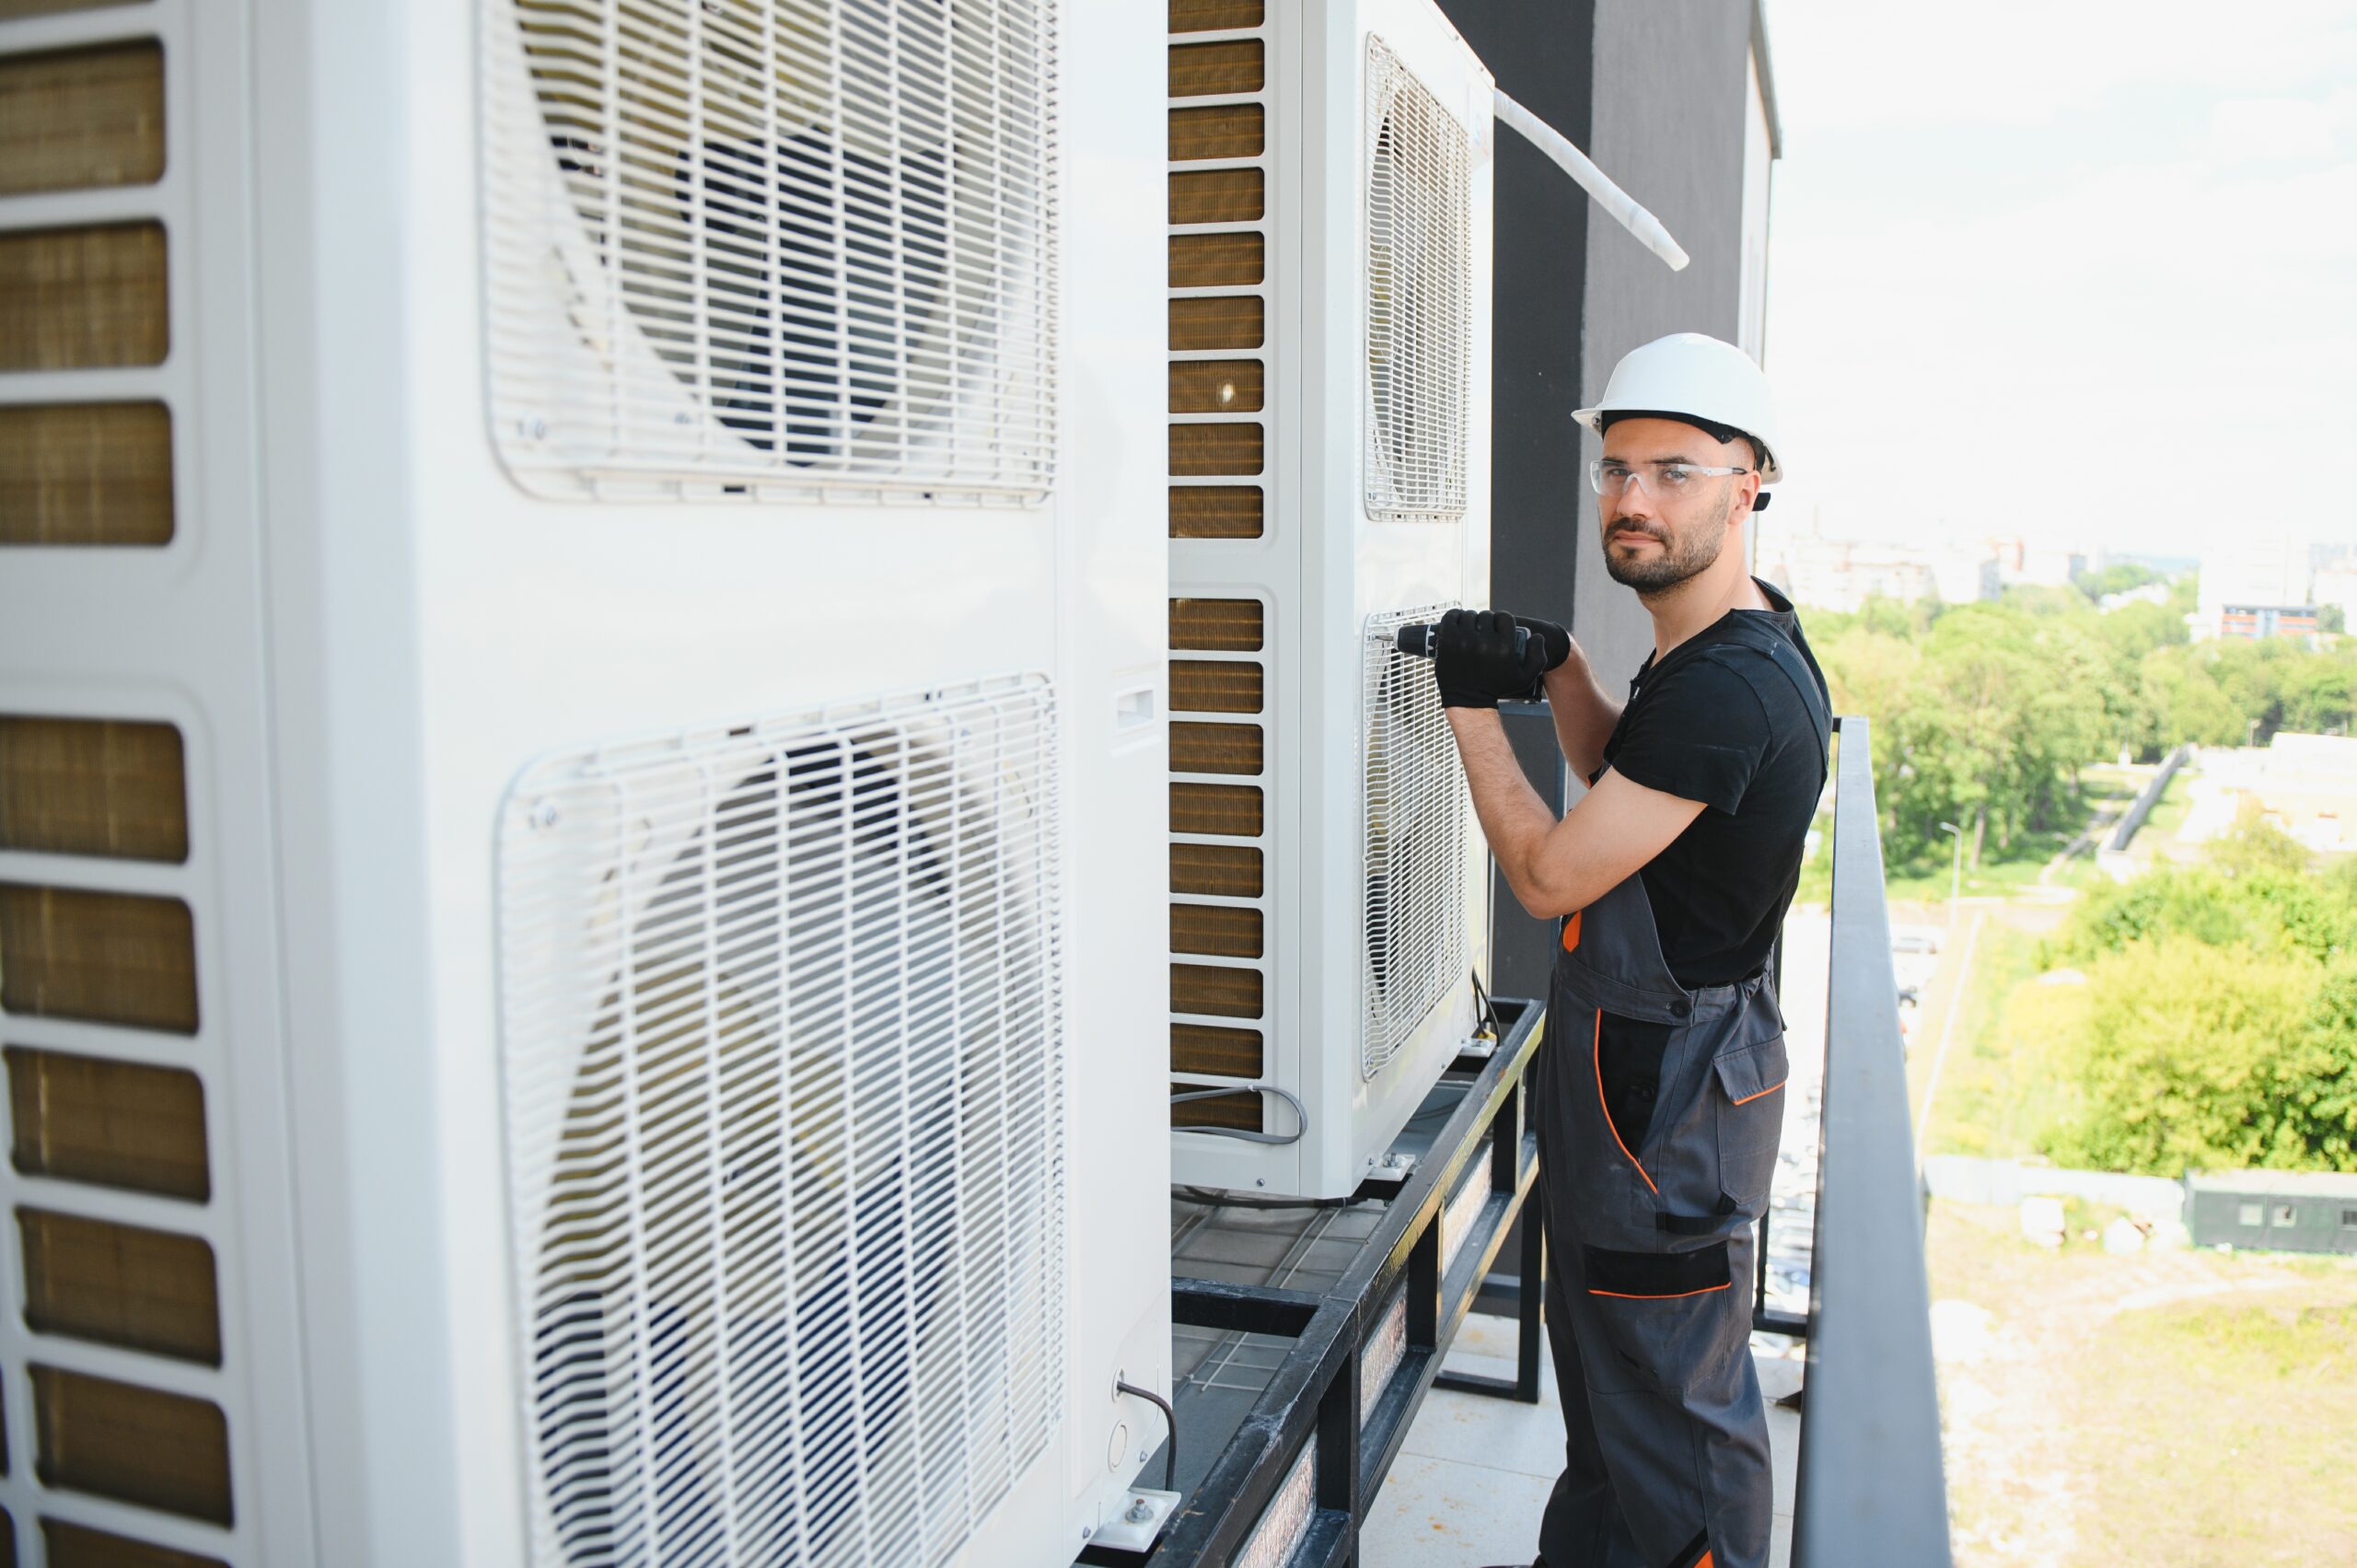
point(1464, 1449)
point(1783, 1452)
point(1477, 1366)
point(1438, 1513)
point(1485, 1347)
point(1481, 1334)
point(1498, 1433)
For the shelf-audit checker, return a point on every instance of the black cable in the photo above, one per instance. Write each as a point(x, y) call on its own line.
point(1171, 1450)
point(1219, 1199)
point(1213, 1197)
point(1486, 1009)
point(1445, 1106)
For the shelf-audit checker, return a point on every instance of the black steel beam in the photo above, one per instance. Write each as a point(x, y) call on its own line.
point(1520, 1297)
point(1252, 1309)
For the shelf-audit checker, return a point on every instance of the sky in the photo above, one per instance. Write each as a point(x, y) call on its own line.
point(2081, 270)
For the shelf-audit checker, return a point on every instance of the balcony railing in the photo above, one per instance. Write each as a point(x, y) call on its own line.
point(1871, 1486)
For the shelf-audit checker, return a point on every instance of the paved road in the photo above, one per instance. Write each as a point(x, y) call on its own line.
point(1791, 1216)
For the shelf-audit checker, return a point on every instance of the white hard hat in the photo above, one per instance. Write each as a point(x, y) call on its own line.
point(1699, 379)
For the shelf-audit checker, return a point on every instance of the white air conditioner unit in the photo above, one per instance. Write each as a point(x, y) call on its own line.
point(556, 872)
point(1329, 333)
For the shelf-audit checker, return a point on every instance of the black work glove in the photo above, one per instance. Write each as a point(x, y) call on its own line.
point(1474, 661)
point(1547, 634)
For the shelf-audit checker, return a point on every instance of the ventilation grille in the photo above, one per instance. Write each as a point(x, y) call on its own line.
point(1220, 172)
point(1416, 808)
point(782, 1051)
point(1220, 973)
point(737, 248)
point(1419, 288)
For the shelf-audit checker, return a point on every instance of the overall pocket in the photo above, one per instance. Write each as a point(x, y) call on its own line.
point(1750, 1109)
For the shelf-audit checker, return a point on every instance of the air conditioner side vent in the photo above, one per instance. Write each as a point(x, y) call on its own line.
point(1419, 281)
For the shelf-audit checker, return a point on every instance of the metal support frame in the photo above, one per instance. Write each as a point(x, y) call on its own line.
point(1525, 1295)
point(1762, 1321)
point(1316, 1389)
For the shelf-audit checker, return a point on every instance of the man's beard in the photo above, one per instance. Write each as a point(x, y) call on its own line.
point(1683, 554)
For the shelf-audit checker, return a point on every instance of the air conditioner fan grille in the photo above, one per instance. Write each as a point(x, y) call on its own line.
point(780, 1046)
point(1415, 951)
point(761, 246)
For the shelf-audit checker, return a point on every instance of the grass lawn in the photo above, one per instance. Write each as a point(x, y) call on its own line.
point(1999, 873)
point(1992, 1100)
point(2003, 869)
point(2169, 812)
point(2180, 1409)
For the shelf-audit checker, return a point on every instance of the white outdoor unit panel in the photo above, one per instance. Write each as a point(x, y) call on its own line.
point(572, 668)
point(1330, 321)
point(783, 1059)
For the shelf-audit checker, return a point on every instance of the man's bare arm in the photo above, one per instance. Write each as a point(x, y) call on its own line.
point(1584, 715)
point(1555, 866)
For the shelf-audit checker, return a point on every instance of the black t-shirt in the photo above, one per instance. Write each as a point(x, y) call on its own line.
point(1718, 723)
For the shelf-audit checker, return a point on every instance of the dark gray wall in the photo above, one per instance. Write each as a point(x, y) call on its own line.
point(1671, 95)
point(1537, 49)
point(1655, 91)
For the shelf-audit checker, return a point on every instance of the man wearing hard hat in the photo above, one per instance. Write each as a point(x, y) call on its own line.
point(1655, 1095)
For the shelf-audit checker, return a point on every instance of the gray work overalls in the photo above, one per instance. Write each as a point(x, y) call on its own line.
point(1651, 1239)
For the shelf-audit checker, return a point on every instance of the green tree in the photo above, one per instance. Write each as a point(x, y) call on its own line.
point(2117, 578)
point(2315, 1082)
point(2135, 630)
point(2255, 846)
point(2218, 1025)
point(2190, 1056)
point(2188, 703)
point(1985, 712)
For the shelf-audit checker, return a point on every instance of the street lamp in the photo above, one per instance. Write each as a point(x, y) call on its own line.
point(1956, 868)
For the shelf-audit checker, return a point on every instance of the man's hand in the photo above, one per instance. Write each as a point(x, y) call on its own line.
point(1475, 661)
point(1547, 634)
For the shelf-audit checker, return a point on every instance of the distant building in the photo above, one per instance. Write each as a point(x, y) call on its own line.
point(2023, 562)
point(1831, 573)
point(1834, 575)
point(2307, 784)
point(2251, 622)
point(1965, 576)
point(2282, 1211)
point(2258, 586)
point(2335, 586)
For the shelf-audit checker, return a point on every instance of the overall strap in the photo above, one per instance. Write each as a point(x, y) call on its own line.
point(1795, 667)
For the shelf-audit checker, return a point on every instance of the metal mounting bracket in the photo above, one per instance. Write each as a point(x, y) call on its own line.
point(1139, 1522)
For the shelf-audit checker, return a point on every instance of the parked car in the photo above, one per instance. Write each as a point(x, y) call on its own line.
point(1915, 939)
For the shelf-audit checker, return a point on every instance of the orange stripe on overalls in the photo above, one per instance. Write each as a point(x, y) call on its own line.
point(1597, 1047)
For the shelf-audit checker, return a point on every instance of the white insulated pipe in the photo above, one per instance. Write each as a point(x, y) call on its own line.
point(1594, 180)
